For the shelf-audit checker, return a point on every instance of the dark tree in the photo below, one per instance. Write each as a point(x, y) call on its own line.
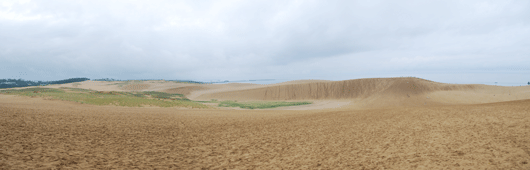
point(9, 83)
point(71, 80)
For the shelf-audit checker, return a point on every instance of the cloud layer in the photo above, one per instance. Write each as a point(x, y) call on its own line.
point(234, 40)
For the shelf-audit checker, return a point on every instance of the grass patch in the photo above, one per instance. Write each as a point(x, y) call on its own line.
point(31, 90)
point(212, 101)
point(76, 89)
point(138, 99)
point(130, 99)
point(260, 105)
point(162, 95)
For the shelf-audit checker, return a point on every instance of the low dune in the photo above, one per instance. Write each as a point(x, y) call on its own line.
point(136, 87)
point(185, 90)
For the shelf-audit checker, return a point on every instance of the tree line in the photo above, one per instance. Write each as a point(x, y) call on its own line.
point(10, 83)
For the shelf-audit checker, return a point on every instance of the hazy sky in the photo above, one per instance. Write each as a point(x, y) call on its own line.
point(448, 41)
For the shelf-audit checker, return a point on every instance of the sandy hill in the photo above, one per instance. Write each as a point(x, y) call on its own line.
point(136, 87)
point(377, 92)
point(364, 93)
point(186, 90)
point(348, 89)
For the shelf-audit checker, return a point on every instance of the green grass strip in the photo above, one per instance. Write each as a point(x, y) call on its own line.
point(260, 105)
point(129, 99)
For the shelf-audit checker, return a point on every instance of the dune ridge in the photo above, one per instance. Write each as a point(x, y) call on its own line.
point(449, 133)
point(347, 89)
point(362, 93)
point(379, 92)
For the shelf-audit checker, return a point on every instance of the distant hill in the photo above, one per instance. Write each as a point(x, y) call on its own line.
point(10, 83)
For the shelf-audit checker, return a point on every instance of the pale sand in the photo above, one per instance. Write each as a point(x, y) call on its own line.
point(398, 123)
point(318, 105)
point(357, 93)
point(48, 134)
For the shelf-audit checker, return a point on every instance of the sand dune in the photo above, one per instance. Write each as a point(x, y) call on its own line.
point(378, 92)
point(348, 89)
point(303, 81)
point(185, 90)
point(353, 124)
point(219, 88)
point(136, 87)
point(361, 93)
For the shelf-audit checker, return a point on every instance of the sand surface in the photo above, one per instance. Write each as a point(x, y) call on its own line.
point(318, 105)
point(389, 124)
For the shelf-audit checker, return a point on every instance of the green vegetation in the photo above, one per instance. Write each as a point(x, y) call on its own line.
point(73, 89)
point(162, 95)
point(31, 90)
point(10, 83)
point(260, 105)
point(131, 99)
point(212, 101)
point(137, 99)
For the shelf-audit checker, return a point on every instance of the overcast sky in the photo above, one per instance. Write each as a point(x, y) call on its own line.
point(448, 41)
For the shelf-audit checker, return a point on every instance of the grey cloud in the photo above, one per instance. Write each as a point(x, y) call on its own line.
point(261, 39)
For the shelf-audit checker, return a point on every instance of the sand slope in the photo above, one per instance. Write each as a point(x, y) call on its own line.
point(136, 87)
point(186, 90)
point(348, 89)
point(376, 92)
point(45, 134)
point(367, 124)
